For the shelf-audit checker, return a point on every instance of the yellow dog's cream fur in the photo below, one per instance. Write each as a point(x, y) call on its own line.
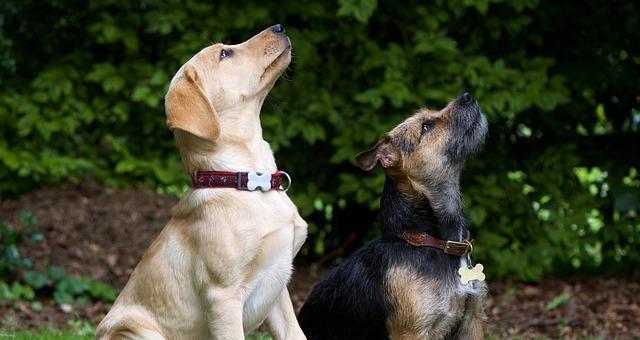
point(220, 266)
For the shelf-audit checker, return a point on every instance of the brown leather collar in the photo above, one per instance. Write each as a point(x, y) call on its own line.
point(241, 180)
point(448, 247)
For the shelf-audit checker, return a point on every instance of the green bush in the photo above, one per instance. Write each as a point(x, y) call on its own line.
point(18, 282)
point(67, 289)
point(555, 190)
point(10, 257)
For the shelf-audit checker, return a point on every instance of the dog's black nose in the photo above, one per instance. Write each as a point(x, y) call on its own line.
point(466, 98)
point(277, 28)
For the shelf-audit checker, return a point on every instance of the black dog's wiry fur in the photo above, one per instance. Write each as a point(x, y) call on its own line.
point(388, 288)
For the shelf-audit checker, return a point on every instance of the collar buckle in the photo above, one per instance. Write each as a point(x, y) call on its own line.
point(239, 180)
point(455, 248)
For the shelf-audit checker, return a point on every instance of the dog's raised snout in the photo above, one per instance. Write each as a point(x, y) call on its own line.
point(466, 98)
point(277, 28)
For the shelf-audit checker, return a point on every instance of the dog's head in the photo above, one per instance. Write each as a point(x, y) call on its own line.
point(220, 80)
point(430, 146)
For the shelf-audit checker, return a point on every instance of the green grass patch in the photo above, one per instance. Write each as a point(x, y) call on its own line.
point(48, 334)
point(75, 330)
point(78, 330)
point(258, 336)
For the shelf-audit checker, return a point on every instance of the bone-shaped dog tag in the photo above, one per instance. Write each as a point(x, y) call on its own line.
point(258, 179)
point(470, 274)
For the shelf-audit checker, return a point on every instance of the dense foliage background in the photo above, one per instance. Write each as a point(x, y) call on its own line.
point(556, 191)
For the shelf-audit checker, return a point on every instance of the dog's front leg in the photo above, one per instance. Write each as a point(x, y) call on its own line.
point(473, 322)
point(472, 329)
point(225, 313)
point(299, 233)
point(282, 322)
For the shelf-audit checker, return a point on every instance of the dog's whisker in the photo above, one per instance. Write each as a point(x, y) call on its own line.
point(286, 76)
point(277, 103)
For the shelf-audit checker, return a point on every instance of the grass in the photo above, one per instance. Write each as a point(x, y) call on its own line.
point(48, 334)
point(75, 330)
point(75, 333)
point(83, 333)
point(258, 336)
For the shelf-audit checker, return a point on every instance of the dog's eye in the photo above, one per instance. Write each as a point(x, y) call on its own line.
point(426, 126)
point(225, 54)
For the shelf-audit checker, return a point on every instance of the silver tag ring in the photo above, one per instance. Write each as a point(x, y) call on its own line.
point(288, 181)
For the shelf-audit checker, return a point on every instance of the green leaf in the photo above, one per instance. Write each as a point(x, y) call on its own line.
point(35, 279)
point(557, 301)
point(361, 10)
point(5, 292)
point(55, 273)
point(113, 84)
point(61, 297)
point(36, 306)
point(141, 93)
point(101, 291)
point(19, 291)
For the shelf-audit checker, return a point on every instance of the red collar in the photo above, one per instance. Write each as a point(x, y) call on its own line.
point(250, 180)
point(448, 247)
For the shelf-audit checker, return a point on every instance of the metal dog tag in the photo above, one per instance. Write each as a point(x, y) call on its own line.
point(470, 274)
point(258, 180)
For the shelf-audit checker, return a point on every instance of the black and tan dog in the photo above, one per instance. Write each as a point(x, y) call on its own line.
point(402, 286)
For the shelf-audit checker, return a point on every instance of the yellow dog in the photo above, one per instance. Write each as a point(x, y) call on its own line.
point(220, 266)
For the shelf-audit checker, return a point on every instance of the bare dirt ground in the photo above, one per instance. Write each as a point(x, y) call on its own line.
point(102, 232)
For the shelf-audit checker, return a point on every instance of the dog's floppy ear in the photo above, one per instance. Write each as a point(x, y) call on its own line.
point(383, 151)
point(189, 109)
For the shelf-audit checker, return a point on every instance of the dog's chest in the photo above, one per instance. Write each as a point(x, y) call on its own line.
point(458, 296)
point(270, 278)
point(458, 301)
point(427, 307)
point(272, 267)
point(444, 314)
